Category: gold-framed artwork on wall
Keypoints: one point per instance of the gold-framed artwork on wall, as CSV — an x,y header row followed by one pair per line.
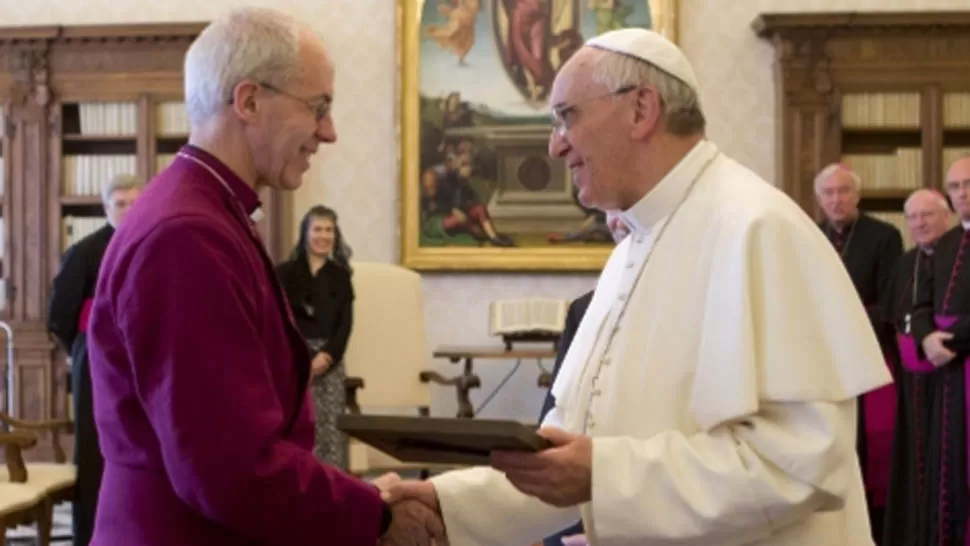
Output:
x,y
478,189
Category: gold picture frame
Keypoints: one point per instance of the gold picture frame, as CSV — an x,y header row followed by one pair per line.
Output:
x,y
478,192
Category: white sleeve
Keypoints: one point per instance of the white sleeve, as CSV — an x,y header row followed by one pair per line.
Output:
x,y
736,484
481,508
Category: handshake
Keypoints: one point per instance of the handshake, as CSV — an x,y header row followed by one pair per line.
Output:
x,y
416,514
560,476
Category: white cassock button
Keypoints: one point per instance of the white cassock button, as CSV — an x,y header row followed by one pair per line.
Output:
x,y
630,265
606,361
597,392
591,425
622,296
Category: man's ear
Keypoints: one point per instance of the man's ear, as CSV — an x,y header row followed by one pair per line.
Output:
x,y
244,99
647,113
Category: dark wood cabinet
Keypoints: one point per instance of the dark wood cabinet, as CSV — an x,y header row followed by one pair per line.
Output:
x,y
887,93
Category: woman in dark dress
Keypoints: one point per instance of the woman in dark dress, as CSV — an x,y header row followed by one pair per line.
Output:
x,y
316,279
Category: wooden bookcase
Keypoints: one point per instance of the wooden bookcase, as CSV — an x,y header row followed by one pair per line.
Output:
x,y
887,93
79,104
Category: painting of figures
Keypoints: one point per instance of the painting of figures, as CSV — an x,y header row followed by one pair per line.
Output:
x,y
479,191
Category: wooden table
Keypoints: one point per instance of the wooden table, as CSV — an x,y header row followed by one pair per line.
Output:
x,y
467,381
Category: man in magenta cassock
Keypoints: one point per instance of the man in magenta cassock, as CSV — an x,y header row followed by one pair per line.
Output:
x,y
199,374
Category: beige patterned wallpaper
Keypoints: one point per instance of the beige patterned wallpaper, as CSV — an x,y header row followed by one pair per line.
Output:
x,y
358,174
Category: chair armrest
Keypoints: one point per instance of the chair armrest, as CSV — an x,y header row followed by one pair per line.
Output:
x,y
14,443
463,385
351,385
54,426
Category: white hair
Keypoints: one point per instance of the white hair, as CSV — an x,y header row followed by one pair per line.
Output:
x,y
833,168
681,105
938,199
247,43
120,182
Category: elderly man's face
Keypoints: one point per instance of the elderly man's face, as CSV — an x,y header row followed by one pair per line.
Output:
x,y
119,201
838,197
592,133
958,186
290,123
927,217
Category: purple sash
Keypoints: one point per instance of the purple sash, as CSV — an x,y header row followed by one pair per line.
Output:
x,y
913,363
880,419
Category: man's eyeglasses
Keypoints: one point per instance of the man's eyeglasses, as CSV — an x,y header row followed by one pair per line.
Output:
x,y
319,106
562,116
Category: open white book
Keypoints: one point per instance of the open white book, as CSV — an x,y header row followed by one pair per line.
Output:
x,y
532,315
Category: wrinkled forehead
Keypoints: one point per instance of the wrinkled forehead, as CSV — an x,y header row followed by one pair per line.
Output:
x,y
959,171
920,205
838,179
575,79
316,65
127,193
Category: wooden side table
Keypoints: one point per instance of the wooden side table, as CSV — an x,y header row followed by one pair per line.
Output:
x,y
467,380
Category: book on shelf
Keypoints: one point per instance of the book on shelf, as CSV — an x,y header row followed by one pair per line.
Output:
x,y
171,119
75,228
108,118
902,170
530,316
951,155
956,110
85,175
880,110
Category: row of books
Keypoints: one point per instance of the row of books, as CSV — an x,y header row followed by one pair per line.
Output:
x,y
121,118
900,171
950,155
75,228
956,110
902,110
861,110
85,175
171,119
108,118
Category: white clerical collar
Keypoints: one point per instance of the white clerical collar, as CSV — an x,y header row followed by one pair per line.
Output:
x,y
664,197
966,225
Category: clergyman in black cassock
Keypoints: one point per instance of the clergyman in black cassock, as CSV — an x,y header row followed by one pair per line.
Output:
x,y
908,520
936,509
71,298
72,293
573,317
869,249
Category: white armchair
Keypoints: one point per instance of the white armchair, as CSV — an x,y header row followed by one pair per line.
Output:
x,y
386,355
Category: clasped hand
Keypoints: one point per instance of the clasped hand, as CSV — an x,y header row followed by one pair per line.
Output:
x,y
560,475
935,350
416,515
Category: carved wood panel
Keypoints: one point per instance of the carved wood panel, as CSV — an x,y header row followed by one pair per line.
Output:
x,y
819,57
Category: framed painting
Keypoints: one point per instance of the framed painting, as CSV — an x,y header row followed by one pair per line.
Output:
x,y
478,189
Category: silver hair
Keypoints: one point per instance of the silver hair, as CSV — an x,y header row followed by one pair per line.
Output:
x,y
681,105
247,43
833,168
120,182
938,199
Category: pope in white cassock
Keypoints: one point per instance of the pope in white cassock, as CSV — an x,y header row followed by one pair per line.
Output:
x,y
709,396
